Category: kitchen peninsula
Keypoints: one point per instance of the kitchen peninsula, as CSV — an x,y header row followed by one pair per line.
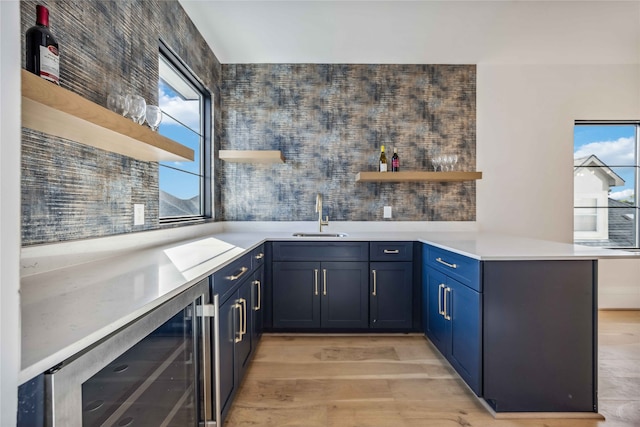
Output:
x,y
67,310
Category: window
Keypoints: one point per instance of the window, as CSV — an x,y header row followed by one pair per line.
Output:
x,y
185,187
606,174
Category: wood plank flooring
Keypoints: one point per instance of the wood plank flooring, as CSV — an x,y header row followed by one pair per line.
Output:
x,y
402,381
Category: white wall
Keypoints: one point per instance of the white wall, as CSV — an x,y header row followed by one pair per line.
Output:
x,y
525,150
9,210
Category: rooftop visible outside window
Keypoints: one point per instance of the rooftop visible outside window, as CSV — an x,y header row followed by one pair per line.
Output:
x,y
606,179
184,188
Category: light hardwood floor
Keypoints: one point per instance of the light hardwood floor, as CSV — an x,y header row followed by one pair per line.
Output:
x,y
402,381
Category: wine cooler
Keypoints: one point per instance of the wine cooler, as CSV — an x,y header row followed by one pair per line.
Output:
x,y
155,372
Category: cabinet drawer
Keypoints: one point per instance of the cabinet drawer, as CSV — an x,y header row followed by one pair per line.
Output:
x,y
464,269
257,257
231,275
320,251
391,251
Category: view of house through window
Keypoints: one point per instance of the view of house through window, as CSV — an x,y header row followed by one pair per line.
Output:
x,y
182,184
606,179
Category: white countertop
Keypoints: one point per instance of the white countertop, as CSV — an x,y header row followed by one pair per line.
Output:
x,y
65,310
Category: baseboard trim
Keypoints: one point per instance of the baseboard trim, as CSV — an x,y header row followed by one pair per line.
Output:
x,y
540,415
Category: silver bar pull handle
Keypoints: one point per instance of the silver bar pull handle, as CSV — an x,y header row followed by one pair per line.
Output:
x,y
259,256
324,282
238,337
375,283
207,312
239,275
440,288
391,251
446,314
315,271
258,306
446,263
244,317
206,359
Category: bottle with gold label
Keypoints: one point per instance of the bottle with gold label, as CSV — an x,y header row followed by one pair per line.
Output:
x,y
383,160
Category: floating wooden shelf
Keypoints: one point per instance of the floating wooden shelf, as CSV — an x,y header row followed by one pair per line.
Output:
x,y
412,176
51,109
252,156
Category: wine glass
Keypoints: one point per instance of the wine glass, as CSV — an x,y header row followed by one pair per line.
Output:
x,y
153,116
137,109
117,101
436,162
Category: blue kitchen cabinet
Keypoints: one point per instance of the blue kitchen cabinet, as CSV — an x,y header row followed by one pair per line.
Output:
x,y
320,285
296,295
453,312
344,299
237,285
328,295
391,295
391,285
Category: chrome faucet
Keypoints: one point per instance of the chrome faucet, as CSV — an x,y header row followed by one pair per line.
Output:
x,y
319,210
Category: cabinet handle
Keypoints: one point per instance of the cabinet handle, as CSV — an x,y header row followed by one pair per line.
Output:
x,y
375,283
237,276
315,271
238,337
259,305
440,288
391,251
446,263
259,256
324,282
446,315
244,316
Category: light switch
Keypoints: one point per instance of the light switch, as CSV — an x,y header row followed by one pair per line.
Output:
x,y
386,213
138,214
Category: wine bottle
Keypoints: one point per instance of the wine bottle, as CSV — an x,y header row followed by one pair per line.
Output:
x,y
42,48
395,161
383,160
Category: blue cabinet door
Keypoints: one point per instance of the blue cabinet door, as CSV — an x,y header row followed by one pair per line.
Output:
x,y
228,321
463,307
257,305
296,295
438,328
243,345
390,295
345,302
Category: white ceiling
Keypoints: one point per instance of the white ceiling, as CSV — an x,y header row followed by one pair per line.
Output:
x,y
428,32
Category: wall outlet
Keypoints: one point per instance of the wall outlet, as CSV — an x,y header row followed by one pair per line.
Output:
x,y
138,214
386,212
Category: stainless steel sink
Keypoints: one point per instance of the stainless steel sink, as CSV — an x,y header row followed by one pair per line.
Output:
x,y
320,235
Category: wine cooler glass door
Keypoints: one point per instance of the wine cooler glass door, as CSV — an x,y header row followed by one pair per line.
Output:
x,y
147,374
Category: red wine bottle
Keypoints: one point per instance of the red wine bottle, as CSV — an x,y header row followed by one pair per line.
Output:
x,y
395,161
42,48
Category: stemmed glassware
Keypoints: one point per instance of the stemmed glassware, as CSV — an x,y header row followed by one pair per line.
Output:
x,y
137,109
445,163
117,101
153,116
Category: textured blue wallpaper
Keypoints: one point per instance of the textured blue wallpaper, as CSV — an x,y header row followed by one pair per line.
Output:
x,y
330,120
73,191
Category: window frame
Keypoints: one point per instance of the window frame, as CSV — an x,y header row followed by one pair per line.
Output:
x,y
636,205
206,132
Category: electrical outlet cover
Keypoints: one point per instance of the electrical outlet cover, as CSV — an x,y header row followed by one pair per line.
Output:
x,y
138,214
387,212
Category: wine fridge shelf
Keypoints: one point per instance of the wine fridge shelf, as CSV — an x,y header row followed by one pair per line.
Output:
x,y
414,176
51,109
252,156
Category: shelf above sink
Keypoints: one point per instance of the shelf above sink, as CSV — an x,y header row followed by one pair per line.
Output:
x,y
415,176
252,156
